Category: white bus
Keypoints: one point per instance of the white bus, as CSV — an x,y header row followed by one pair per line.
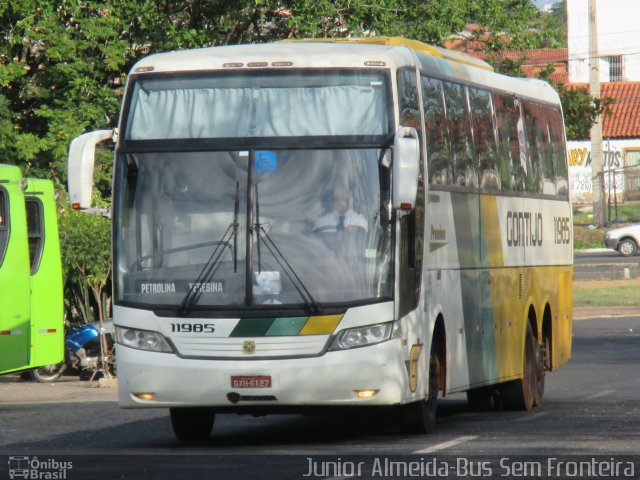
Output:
x,y
334,224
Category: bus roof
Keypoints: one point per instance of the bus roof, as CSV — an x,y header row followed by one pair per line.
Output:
x,y
416,45
281,54
374,52
10,173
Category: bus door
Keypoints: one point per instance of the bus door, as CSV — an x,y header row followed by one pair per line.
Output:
x,y
15,311
47,310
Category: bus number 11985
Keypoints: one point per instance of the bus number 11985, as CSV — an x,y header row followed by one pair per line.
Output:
x,y
193,328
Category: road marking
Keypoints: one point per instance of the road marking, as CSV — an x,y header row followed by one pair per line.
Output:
x,y
450,443
604,393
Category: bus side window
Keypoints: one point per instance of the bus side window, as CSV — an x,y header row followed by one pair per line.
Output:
x,y
412,225
35,229
484,139
556,129
533,123
508,149
465,169
440,161
4,224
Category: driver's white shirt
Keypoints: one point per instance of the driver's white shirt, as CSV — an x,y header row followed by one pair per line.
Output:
x,y
329,222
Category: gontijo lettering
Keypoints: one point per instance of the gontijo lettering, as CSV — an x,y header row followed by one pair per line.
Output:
x,y
524,229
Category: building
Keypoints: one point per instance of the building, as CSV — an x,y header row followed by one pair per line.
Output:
x,y
618,46
618,42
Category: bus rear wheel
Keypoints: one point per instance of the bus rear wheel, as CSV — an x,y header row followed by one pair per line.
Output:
x,y
420,417
540,372
521,394
193,424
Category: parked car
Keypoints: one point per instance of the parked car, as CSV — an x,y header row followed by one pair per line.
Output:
x,y
624,239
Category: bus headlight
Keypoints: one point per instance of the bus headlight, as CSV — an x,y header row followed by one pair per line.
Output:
x,y
363,336
142,340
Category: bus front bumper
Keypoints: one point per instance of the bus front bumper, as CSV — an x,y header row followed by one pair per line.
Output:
x,y
149,379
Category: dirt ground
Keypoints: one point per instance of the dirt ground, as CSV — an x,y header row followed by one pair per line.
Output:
x,y
13,390
605,283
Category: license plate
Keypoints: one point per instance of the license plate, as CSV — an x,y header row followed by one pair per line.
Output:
x,y
251,381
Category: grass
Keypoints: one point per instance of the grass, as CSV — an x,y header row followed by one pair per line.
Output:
x,y
585,235
606,293
627,213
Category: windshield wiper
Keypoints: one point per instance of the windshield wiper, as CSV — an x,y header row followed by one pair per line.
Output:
x,y
213,263
299,285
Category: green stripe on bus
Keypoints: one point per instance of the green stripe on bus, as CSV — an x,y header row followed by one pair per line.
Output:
x,y
252,327
288,326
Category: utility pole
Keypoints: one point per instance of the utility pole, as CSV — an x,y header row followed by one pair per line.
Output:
x,y
597,170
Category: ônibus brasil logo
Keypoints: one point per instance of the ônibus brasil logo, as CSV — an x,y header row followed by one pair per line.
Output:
x,y
40,469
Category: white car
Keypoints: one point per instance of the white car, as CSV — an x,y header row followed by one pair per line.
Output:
x,y
624,239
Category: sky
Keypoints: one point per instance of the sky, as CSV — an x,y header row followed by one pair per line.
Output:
x,y
544,4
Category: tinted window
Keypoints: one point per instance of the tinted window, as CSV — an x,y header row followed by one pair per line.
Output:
x,y
412,225
35,229
440,161
535,120
4,223
556,134
465,168
484,138
507,118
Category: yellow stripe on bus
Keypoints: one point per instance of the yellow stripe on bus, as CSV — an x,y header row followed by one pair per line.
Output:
x,y
321,325
491,231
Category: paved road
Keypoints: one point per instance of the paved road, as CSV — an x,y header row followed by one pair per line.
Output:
x,y
603,263
591,407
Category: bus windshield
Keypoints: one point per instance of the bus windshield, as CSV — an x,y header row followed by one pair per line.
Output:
x,y
257,227
268,104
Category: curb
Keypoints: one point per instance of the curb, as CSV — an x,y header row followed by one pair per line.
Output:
x,y
587,313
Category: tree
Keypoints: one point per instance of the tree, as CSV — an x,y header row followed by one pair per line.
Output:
x,y
86,244
85,241
581,110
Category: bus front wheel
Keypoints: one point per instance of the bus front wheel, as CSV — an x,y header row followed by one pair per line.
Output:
x,y
420,417
192,424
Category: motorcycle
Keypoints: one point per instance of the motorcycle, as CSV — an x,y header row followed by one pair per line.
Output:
x,y
82,353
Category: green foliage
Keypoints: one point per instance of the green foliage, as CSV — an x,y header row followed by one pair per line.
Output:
x,y
55,63
581,110
85,241
552,27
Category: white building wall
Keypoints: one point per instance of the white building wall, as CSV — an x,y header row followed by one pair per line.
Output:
x,y
618,28
581,173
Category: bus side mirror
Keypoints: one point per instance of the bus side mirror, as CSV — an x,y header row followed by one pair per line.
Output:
x,y
406,168
82,154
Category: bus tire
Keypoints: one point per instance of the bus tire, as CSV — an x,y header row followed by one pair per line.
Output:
x,y
192,424
520,394
538,391
420,417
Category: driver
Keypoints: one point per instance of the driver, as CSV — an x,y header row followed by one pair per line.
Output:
x,y
342,218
